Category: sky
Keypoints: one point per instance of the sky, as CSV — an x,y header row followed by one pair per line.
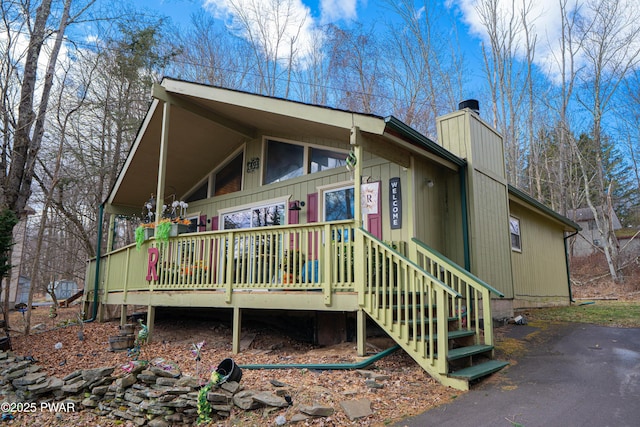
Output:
x,y
544,15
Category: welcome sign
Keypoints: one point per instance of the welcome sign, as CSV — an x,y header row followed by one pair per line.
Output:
x,y
395,203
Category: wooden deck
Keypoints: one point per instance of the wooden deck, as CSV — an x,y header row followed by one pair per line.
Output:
x,y
425,302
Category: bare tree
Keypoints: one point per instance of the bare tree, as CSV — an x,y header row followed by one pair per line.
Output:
x,y
610,30
509,32
426,72
276,32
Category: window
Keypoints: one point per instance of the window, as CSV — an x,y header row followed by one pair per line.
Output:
x,y
285,161
338,203
514,229
229,178
254,216
225,180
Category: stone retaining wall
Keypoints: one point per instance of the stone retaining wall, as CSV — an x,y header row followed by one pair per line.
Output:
x,y
154,393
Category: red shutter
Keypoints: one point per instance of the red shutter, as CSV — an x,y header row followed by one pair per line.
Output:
x,y
312,207
374,221
312,216
203,222
214,223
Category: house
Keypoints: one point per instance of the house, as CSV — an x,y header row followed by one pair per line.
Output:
x,y
430,245
589,239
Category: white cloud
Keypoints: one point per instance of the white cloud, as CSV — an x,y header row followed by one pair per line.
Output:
x,y
336,10
272,23
545,20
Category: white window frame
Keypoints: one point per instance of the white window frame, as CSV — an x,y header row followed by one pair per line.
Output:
x,y
515,232
306,158
210,178
331,188
250,206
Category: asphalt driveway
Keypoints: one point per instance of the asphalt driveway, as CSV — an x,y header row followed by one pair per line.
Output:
x,y
570,375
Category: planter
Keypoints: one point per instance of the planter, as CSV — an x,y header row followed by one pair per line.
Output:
x,y
127,329
121,342
148,233
177,229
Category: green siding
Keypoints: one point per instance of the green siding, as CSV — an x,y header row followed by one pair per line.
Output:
x,y
467,136
539,271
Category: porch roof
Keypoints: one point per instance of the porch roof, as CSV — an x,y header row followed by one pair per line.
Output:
x,y
210,123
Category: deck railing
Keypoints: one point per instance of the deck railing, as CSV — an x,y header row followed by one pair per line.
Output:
x,y
475,300
406,301
301,257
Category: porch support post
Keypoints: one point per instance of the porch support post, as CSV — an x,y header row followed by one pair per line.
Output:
x,y
359,274
162,162
123,314
112,223
237,327
356,144
361,333
151,318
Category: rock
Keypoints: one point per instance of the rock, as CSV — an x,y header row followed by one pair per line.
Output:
x,y
230,386
178,390
296,418
121,414
244,400
51,384
175,418
166,381
223,408
100,390
130,397
373,375
277,383
126,381
91,375
72,375
75,387
15,374
316,410
187,381
89,403
147,376
167,373
219,397
373,384
158,422
29,379
355,409
19,366
270,399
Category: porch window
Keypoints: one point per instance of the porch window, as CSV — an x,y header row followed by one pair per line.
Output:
x,y
338,203
285,160
514,229
229,178
254,216
225,180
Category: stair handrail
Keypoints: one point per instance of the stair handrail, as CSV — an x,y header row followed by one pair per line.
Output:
x,y
470,277
439,282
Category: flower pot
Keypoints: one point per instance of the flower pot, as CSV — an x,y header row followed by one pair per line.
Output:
x,y
148,233
177,229
121,342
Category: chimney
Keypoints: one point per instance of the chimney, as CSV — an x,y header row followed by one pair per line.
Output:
x,y
471,104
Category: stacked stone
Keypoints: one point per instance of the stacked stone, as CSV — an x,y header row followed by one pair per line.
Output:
x,y
154,394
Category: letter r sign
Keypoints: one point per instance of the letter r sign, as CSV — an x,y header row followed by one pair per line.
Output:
x,y
152,264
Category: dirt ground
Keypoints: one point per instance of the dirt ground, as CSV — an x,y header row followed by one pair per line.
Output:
x,y
409,390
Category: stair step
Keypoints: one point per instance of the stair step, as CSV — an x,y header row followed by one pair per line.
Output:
x,y
459,353
426,320
478,371
452,335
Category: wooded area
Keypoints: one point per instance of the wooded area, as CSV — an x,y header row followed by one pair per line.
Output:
x,y
75,81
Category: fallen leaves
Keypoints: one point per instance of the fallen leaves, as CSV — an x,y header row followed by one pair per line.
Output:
x,y
407,392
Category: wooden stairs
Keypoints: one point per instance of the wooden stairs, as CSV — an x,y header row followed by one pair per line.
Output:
x,y
433,309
